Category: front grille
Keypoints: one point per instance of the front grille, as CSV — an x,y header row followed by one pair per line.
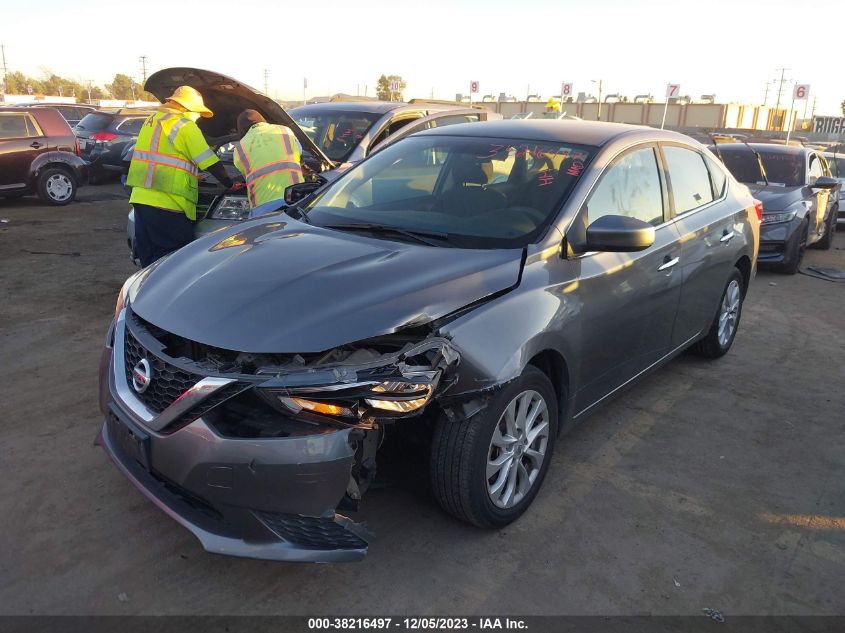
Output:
x,y
167,383
314,532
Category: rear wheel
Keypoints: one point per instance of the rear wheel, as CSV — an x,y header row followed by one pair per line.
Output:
x,y
487,470
721,335
56,186
830,231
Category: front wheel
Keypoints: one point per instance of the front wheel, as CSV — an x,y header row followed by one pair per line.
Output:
x,y
56,186
794,252
486,470
721,335
830,231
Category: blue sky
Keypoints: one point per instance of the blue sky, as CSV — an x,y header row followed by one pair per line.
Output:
x,y
727,47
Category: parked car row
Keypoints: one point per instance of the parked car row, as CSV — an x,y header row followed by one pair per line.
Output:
x,y
482,286
801,198
103,138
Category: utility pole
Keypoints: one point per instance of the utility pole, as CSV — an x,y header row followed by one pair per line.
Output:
x,y
267,82
766,94
780,92
5,70
143,60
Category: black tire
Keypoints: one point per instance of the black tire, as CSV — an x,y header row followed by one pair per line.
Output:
x,y
711,346
461,448
794,252
56,186
830,231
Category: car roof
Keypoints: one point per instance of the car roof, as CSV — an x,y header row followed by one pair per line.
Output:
x,y
774,148
379,107
595,133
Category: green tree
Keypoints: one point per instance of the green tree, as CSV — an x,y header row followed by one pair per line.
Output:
x,y
383,90
842,105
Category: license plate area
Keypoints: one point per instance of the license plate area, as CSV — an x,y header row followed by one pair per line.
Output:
x,y
133,442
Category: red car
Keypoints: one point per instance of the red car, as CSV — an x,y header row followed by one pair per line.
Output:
x,y
39,154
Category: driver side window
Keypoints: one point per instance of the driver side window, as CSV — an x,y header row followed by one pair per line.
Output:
x,y
630,187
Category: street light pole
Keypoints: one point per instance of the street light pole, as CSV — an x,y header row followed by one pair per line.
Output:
x,y
598,81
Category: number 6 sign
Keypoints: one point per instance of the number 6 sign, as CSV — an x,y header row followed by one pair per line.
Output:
x,y
802,91
672,90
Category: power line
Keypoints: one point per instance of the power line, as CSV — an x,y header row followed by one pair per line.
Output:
x,y
267,82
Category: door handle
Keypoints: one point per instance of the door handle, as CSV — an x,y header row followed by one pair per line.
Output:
x,y
668,263
35,145
727,236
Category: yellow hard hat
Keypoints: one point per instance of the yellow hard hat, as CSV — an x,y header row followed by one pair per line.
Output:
x,y
190,99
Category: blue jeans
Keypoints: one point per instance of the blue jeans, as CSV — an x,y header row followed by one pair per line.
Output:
x,y
159,232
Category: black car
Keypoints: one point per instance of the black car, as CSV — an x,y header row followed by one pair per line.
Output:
x,y
800,198
103,137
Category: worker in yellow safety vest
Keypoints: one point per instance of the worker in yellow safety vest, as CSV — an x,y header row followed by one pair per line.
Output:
x,y
164,173
268,156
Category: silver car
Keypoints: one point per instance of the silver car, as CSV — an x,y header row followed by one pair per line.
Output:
x,y
480,287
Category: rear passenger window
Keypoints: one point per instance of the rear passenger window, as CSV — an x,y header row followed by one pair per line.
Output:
x,y
815,168
131,127
717,176
688,177
630,187
15,125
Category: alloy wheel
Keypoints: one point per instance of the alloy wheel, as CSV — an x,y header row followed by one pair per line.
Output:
x,y
517,449
729,313
59,187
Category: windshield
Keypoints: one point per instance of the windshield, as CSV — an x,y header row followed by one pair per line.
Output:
x,y
473,192
782,168
334,131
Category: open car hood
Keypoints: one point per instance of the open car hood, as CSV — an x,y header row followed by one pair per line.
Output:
x,y
227,98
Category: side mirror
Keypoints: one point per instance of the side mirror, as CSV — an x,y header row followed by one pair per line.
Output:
x,y
825,182
619,234
300,190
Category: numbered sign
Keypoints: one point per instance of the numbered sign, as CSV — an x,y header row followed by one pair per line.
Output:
x,y
673,91
565,90
802,91
394,86
473,86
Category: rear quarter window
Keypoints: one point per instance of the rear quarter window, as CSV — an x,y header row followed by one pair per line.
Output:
x,y
718,177
131,127
15,125
95,121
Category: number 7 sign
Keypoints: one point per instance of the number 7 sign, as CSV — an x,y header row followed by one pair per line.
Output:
x,y
673,90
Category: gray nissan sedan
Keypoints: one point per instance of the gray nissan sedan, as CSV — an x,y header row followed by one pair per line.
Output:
x,y
481,286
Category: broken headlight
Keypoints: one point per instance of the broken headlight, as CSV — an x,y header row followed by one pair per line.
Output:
x,y
399,397
376,399
231,208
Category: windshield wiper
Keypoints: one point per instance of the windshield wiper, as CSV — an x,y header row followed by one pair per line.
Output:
x,y
302,215
430,238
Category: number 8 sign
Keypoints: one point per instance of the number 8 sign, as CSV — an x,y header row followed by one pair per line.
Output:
x,y
802,91
565,90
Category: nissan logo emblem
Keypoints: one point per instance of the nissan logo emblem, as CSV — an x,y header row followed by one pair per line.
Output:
x,y
142,374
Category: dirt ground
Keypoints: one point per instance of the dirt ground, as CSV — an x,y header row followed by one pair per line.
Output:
x,y
709,484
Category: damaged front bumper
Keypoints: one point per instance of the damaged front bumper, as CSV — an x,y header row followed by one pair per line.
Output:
x,y
241,460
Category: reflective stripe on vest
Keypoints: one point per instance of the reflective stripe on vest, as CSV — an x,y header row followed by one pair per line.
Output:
x,y
248,167
156,162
